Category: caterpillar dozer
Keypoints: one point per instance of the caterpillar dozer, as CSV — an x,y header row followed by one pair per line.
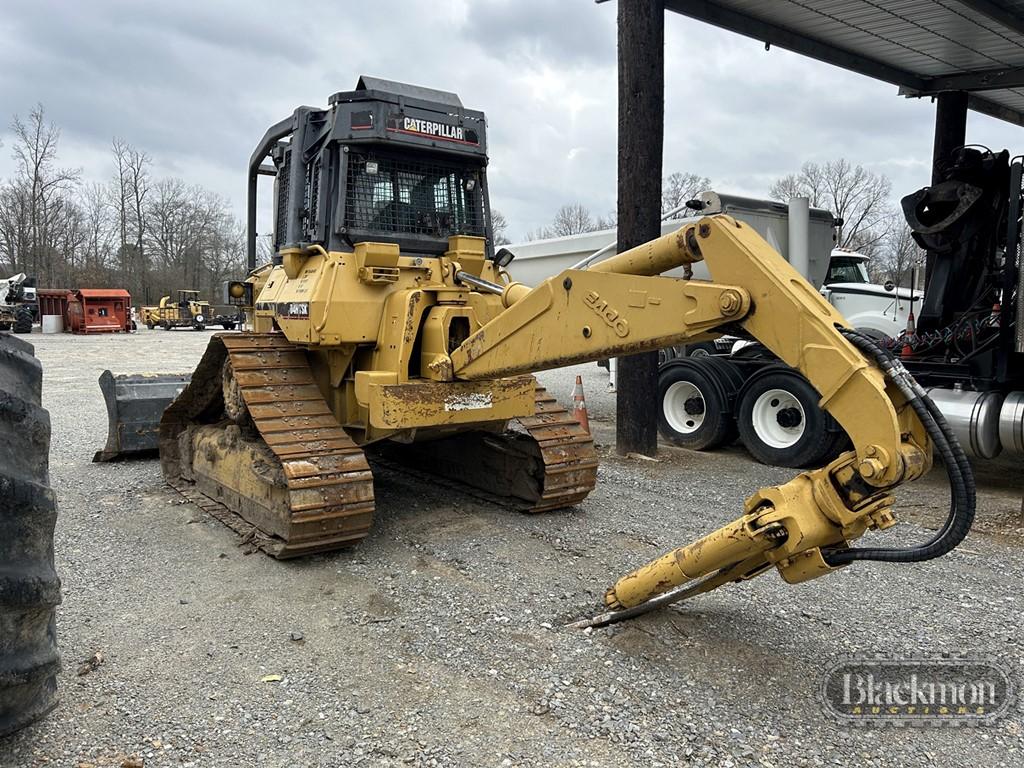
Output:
x,y
387,322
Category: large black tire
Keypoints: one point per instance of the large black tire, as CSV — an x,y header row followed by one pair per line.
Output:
x,y
701,349
665,354
23,320
780,422
696,399
29,587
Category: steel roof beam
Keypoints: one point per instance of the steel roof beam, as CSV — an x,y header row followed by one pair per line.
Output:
x,y
992,109
981,80
997,13
783,37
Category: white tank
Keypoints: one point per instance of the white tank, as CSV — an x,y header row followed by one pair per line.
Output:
x,y
51,323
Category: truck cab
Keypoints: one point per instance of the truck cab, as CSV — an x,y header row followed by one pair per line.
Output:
x,y
881,310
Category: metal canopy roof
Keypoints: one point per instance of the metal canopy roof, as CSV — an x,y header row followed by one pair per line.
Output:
x,y
923,46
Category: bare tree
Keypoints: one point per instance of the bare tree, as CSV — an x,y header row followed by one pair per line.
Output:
x,y
130,187
679,187
499,227
857,196
897,255
99,229
571,219
191,236
40,192
15,235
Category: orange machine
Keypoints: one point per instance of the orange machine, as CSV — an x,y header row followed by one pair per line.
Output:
x,y
99,310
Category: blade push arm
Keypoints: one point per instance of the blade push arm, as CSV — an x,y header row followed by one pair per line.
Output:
x,y
803,527
620,307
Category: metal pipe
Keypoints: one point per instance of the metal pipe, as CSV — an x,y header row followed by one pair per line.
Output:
x,y
799,221
479,283
274,134
653,258
586,262
510,293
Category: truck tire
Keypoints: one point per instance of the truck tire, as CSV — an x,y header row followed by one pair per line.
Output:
x,y
665,354
780,422
697,397
23,320
29,587
150,326
701,349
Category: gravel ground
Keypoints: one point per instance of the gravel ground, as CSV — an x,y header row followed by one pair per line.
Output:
x,y
439,639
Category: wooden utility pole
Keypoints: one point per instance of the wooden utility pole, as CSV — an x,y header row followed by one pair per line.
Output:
x,y
641,129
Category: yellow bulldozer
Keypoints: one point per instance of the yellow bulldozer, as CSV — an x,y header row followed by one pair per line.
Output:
x,y
387,323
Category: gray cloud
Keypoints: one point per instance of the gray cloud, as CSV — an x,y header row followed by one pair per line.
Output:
x,y
196,84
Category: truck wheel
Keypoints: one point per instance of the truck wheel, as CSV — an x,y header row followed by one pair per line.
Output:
x,y
701,349
29,586
166,325
780,422
697,398
23,320
669,353
229,326
150,326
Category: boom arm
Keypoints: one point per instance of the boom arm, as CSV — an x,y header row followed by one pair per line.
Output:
x,y
620,307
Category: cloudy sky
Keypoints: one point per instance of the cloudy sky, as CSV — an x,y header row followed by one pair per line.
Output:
x,y
196,83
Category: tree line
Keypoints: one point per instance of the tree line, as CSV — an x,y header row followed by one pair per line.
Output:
x,y
872,223
131,230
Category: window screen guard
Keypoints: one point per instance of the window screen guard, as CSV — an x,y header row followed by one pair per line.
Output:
x,y
390,193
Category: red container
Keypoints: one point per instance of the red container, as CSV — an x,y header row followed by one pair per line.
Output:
x,y
99,310
54,301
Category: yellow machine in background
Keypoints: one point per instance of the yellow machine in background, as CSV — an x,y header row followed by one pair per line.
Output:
x,y
387,322
188,311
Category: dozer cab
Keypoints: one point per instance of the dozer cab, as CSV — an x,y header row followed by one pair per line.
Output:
x,y
386,322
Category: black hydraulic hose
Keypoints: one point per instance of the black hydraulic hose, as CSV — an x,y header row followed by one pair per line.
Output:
x,y
954,459
960,473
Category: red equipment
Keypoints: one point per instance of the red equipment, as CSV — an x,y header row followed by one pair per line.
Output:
x,y
99,310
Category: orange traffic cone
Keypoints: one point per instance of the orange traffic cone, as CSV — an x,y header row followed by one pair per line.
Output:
x,y
908,337
579,404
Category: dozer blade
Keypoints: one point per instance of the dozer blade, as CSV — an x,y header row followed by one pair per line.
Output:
x,y
252,441
542,462
135,403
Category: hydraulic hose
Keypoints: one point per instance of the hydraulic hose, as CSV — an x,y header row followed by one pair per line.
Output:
x,y
958,469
